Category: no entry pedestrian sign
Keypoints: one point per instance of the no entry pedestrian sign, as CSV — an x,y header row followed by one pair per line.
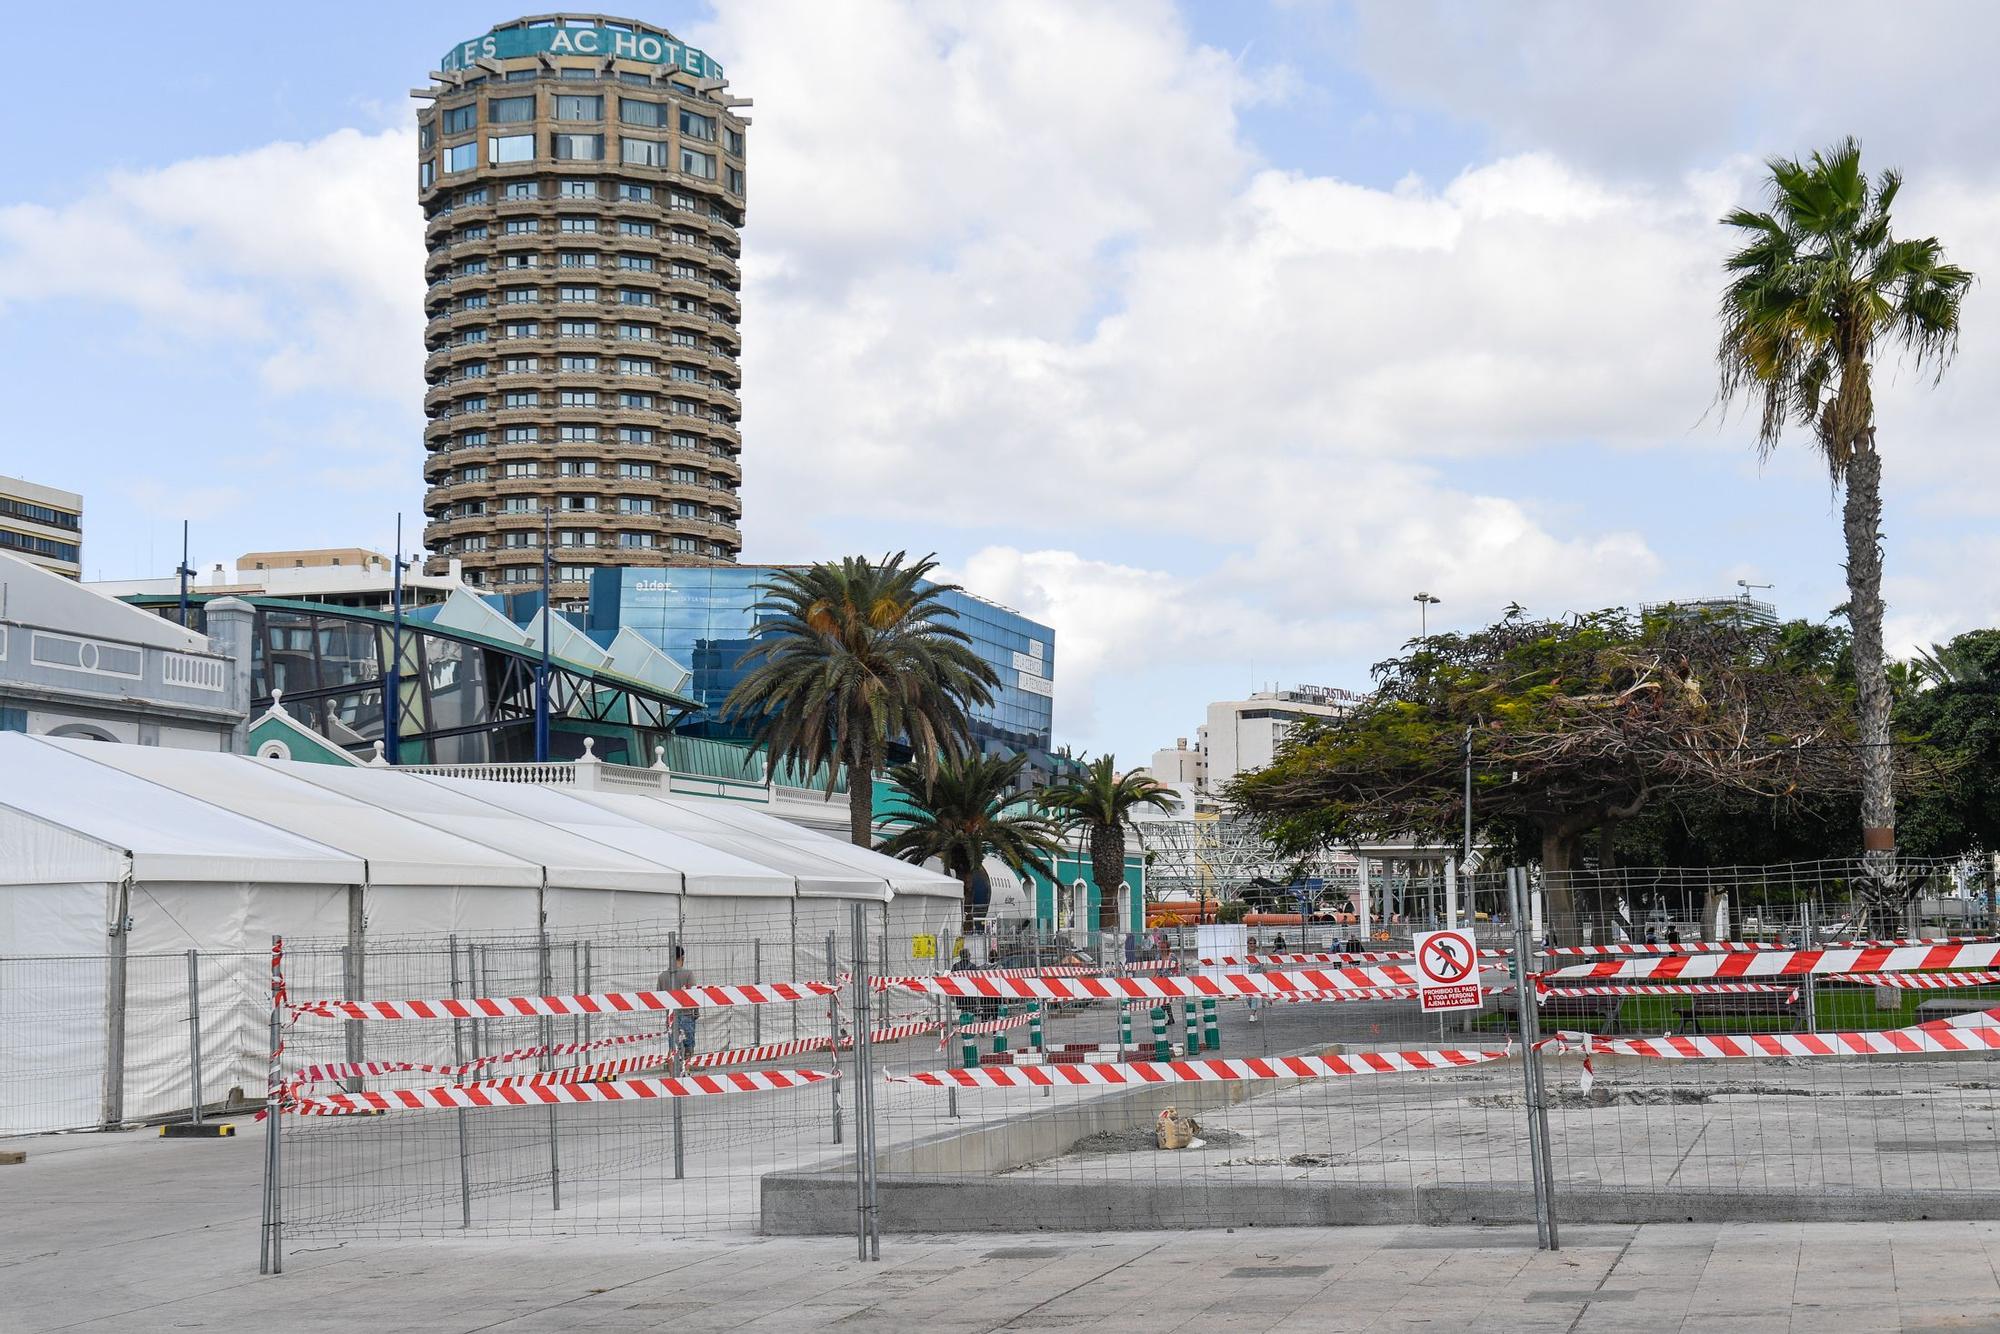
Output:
x,y
1447,970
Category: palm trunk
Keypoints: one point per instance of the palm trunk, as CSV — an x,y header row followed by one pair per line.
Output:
x,y
1861,525
1107,868
968,914
861,796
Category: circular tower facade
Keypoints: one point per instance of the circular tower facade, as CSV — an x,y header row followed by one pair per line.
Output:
x,y
582,181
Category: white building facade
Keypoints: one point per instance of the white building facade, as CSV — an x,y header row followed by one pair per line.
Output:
x,y
1242,735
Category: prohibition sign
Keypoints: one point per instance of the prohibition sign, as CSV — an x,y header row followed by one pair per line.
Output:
x,y
1447,970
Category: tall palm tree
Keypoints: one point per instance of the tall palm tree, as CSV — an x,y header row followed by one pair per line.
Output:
x,y
1101,800
852,655
965,810
1820,287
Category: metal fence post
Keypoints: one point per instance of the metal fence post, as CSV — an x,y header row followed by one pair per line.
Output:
x,y
757,975
116,984
458,1058
833,1028
1524,992
679,1065
1811,941
194,1036
270,1251
868,1243
548,1031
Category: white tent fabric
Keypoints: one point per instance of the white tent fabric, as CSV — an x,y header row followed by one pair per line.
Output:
x,y
633,655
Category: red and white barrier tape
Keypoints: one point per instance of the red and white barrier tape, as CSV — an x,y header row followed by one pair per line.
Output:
x,y
1919,981
471,1096
613,1002
1159,988
1545,990
1200,1072
1790,963
1724,1046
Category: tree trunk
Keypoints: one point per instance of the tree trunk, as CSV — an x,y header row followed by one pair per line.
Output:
x,y
1107,868
1558,892
967,913
861,796
1861,525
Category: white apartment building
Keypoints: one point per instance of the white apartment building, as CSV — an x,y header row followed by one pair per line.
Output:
x,y
1241,735
42,525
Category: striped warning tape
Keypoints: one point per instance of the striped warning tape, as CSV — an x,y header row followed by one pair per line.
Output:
x,y
622,1090
1920,981
1546,989
1200,1072
1159,988
1886,1042
1622,949
1789,963
613,1002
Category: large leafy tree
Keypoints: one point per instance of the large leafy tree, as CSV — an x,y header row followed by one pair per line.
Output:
x,y
851,657
1821,287
1575,728
963,811
1100,800
1956,718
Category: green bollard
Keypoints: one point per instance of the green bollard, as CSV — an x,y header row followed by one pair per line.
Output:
x,y
968,1040
1000,1035
1035,1042
1124,1026
1211,1026
1192,1026
1161,1052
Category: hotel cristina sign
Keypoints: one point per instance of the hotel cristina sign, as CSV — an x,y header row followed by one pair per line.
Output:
x,y
508,43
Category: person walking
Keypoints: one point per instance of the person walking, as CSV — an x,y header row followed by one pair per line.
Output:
x,y
680,978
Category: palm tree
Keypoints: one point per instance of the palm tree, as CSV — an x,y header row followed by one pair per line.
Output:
x,y
1101,800
851,656
1819,288
964,810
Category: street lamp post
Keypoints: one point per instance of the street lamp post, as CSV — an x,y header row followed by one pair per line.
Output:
x,y
1425,602
542,668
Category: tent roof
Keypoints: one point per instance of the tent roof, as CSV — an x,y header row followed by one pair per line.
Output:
x,y
703,869
168,834
41,597
571,861
817,877
399,851
903,877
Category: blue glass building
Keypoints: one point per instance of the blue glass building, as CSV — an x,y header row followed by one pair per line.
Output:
x,y
704,618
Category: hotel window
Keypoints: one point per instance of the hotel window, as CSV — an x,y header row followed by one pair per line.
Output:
x,y
521,296
518,226
576,434
682,338
569,537
628,296
510,110
631,228
636,540
519,190
576,363
579,467
635,112
638,470
682,440
576,328
426,174
685,544
572,293
572,74
472,440
643,152
520,365
576,224
504,148
475,301
686,272
644,263
476,473
518,261
697,127
472,266
577,398
426,137
517,470
685,407
471,544
578,504
685,476
576,189
635,194
572,574
635,435
522,329
686,509
472,370
576,259
457,120
732,180
579,106
635,505
521,435
637,366
577,147
517,505
521,398
698,164
635,401
689,373
639,333
518,538
680,202
471,336
476,403
521,76
733,140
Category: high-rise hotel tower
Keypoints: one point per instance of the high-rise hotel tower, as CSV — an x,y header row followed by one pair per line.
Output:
x,y
582,180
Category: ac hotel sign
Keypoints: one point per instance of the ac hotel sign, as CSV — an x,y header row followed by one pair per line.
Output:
x,y
507,43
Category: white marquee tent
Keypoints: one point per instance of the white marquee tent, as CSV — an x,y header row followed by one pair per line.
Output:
x,y
216,853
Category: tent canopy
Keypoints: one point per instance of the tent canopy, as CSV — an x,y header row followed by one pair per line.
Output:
x,y
903,877
168,835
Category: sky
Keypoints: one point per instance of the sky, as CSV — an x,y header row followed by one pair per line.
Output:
x,y
1209,334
